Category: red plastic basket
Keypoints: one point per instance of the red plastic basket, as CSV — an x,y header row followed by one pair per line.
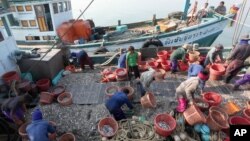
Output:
x,y
110,122
168,120
246,114
166,65
153,64
109,91
67,137
43,84
237,120
212,98
217,69
46,98
10,76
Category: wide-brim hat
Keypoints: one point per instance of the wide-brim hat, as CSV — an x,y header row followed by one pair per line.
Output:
x,y
245,37
186,46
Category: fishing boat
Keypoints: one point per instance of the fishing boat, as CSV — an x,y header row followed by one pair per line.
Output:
x,y
169,32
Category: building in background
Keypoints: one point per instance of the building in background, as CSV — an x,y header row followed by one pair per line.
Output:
x,y
36,21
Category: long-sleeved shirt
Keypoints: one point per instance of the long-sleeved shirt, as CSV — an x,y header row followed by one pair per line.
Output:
x,y
38,130
117,100
146,78
190,86
240,52
178,54
122,61
194,69
221,10
211,55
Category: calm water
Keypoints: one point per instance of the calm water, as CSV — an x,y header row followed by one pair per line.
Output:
x,y
108,12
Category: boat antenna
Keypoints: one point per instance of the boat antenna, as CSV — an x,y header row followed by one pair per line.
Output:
x,y
187,5
236,34
243,23
58,41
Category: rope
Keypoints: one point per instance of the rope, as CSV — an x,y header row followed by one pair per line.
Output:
x,y
141,131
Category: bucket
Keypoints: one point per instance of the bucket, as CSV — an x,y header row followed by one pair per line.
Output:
x,y
231,108
216,71
212,98
193,115
46,98
163,55
43,84
109,91
143,66
22,131
110,122
166,65
10,76
182,66
153,64
148,101
65,99
166,119
237,120
246,114
131,91
217,120
57,90
67,137
193,56
121,73
222,111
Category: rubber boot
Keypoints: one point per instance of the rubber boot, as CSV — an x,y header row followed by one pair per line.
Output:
x,y
182,105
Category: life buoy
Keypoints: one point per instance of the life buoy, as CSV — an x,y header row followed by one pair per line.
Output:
x,y
154,42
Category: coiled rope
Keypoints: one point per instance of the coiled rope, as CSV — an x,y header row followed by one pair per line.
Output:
x,y
141,131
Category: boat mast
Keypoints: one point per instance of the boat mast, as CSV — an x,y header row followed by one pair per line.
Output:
x,y
187,5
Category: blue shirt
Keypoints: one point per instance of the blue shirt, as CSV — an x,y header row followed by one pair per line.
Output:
x,y
117,100
38,130
194,69
81,54
122,61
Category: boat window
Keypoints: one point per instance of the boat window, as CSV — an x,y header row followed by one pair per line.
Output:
x,y
69,5
28,8
64,6
24,23
1,37
44,17
36,38
20,8
32,37
32,23
60,5
55,8
45,37
12,8
12,20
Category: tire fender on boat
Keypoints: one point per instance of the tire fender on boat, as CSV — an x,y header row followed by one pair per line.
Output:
x,y
154,42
